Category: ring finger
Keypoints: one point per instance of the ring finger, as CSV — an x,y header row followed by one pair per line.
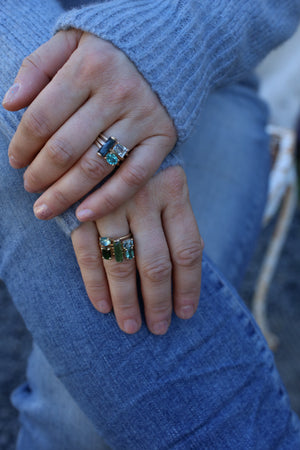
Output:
x,y
143,161
120,271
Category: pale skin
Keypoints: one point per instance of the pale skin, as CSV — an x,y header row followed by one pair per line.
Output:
x,y
76,86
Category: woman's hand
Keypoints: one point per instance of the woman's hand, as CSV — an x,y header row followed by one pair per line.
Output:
x,y
168,254
78,86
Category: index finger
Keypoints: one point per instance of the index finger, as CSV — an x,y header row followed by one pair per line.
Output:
x,y
39,68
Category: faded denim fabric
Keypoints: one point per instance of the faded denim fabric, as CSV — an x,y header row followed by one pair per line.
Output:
x,y
210,382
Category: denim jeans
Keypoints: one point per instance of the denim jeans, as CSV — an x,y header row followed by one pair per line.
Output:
x,y
210,382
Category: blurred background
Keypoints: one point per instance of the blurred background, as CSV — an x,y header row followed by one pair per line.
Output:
x,y
280,75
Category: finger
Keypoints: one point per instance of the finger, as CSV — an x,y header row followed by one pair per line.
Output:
x,y
121,276
154,266
186,248
51,108
134,172
86,246
88,172
39,68
67,146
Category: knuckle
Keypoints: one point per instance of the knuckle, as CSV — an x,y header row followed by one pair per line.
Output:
x,y
160,309
175,181
110,204
60,199
134,175
89,261
35,124
59,151
32,60
92,168
121,272
157,271
169,130
93,64
125,309
189,256
32,179
124,89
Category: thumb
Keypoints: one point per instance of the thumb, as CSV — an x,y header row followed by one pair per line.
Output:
x,y
39,68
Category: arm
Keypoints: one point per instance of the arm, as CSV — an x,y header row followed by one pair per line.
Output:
x,y
220,51
186,49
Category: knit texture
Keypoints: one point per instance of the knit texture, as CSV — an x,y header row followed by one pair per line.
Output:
x,y
187,48
184,49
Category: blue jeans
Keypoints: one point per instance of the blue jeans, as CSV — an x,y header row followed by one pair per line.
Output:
x,y
210,382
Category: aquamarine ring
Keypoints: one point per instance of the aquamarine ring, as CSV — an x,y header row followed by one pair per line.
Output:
x,y
110,149
121,249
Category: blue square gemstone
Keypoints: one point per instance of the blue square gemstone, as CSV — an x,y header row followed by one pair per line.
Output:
x,y
107,147
128,247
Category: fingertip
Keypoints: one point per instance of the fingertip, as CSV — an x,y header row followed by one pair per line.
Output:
x,y
160,328
186,312
85,215
102,306
14,163
131,326
11,96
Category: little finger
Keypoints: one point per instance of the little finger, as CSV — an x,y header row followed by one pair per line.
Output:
x,y
155,270
186,248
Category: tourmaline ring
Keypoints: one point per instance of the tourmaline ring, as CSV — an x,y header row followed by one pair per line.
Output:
x,y
121,248
110,149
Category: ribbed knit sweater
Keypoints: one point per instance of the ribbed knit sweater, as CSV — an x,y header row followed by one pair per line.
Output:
x,y
185,49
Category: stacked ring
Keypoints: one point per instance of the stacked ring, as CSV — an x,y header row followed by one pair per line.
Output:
x,y
110,149
120,248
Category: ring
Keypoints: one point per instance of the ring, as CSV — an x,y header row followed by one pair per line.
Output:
x,y
120,248
110,149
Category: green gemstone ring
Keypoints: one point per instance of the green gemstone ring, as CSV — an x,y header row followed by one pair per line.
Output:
x,y
121,249
110,149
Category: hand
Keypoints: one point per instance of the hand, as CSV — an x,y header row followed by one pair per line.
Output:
x,y
168,251
78,86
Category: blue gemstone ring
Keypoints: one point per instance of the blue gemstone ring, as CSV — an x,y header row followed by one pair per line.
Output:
x,y
121,249
111,150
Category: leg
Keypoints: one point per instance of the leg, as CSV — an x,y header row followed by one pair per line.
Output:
x,y
210,380
227,165
118,379
25,398
49,416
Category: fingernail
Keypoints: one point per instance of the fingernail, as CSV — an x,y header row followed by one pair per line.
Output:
x,y
13,162
130,326
11,93
186,312
85,214
160,327
103,307
42,212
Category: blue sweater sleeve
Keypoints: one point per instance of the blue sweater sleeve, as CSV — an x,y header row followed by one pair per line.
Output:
x,y
187,48
184,48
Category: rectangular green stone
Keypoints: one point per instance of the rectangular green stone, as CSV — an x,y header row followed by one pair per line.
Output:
x,y
118,249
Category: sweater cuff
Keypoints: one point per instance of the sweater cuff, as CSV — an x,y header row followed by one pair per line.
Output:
x,y
185,49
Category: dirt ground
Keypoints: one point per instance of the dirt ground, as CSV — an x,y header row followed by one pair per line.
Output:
x,y
283,310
